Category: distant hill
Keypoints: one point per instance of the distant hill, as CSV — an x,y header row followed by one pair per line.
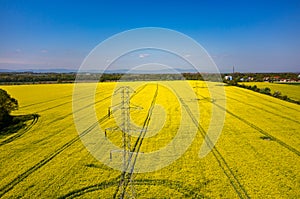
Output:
x,y
64,70
49,70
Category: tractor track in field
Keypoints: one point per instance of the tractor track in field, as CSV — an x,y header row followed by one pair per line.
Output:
x,y
91,104
24,175
260,108
51,100
175,185
285,145
21,177
58,105
16,136
125,176
235,183
253,93
22,132
46,101
70,114
91,188
187,191
78,110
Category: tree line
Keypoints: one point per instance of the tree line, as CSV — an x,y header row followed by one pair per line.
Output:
x,y
266,91
7,105
31,78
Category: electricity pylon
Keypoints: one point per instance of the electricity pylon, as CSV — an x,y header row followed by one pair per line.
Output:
x,y
126,129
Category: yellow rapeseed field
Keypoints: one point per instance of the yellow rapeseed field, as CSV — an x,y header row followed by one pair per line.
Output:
x,y
256,155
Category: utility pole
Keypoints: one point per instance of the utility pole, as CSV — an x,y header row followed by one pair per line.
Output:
x,y
197,91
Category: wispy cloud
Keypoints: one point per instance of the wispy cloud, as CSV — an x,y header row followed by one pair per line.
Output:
x,y
4,60
44,51
144,55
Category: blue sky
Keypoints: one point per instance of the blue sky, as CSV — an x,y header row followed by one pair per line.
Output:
x,y
253,36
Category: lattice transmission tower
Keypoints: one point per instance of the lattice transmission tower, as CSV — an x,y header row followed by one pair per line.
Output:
x,y
126,130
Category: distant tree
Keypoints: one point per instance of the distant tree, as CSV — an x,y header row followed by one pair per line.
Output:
x,y
284,97
7,104
254,88
266,91
277,94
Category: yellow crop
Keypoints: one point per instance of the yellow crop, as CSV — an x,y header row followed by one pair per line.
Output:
x,y
256,155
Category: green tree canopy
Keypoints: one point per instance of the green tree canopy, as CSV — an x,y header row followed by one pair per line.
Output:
x,y
7,104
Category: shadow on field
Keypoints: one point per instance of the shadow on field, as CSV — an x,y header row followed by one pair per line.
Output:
x,y
17,123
